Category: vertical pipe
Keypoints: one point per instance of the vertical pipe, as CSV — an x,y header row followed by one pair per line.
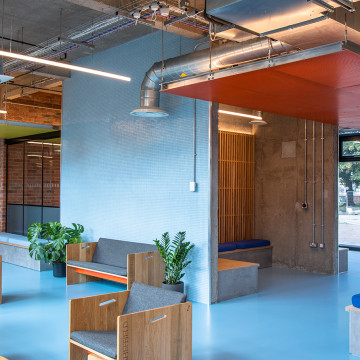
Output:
x,y
305,204
313,244
322,245
194,144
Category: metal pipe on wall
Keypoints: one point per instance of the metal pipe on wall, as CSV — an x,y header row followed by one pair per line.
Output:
x,y
305,203
313,244
322,244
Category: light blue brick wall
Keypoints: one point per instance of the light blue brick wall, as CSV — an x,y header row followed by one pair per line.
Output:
x,y
128,178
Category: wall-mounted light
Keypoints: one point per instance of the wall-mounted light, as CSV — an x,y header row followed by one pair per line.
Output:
x,y
3,112
258,121
63,65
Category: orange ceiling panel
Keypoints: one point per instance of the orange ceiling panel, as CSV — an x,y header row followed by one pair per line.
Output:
x,y
323,88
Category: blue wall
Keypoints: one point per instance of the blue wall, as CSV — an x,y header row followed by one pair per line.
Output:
x,y
128,178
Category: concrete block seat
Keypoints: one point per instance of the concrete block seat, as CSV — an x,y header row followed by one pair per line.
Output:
x,y
253,250
145,322
236,278
15,250
114,260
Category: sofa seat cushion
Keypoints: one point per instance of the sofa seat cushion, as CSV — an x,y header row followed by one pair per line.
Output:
x,y
252,243
114,252
116,270
145,297
229,246
105,342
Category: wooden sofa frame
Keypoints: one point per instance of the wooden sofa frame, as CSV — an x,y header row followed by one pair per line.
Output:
x,y
162,334
146,267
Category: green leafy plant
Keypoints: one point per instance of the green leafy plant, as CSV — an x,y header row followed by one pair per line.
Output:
x,y
57,236
174,254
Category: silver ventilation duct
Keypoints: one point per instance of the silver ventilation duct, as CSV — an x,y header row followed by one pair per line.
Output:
x,y
198,62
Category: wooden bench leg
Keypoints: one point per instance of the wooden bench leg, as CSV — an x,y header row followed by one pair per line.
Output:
x,y
72,277
77,353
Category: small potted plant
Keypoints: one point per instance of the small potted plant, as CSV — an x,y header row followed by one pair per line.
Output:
x,y
174,254
53,249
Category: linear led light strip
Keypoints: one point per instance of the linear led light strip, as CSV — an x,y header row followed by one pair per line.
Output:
x,y
240,114
3,112
63,65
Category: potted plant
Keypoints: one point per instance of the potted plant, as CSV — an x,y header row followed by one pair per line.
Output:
x,y
53,249
174,254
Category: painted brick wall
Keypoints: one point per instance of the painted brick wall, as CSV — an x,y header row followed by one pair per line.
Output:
x,y
2,185
128,178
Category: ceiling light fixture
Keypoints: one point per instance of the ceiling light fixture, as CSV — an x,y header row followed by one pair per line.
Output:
x,y
323,4
346,4
63,65
164,11
240,114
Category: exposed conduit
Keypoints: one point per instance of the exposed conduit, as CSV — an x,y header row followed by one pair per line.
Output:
x,y
195,63
322,244
314,244
305,203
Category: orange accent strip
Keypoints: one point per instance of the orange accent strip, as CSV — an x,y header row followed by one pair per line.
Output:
x,y
102,276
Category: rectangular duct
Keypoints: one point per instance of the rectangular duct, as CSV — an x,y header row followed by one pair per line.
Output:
x,y
265,15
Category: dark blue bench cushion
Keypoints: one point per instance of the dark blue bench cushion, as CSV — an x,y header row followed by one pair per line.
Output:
x,y
252,243
114,252
356,300
229,246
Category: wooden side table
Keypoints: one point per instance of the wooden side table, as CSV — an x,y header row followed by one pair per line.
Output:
x,y
354,330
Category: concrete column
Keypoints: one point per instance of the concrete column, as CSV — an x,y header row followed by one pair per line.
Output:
x,y
279,193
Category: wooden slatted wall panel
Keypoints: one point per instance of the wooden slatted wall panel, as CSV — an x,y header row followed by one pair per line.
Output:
x,y
236,186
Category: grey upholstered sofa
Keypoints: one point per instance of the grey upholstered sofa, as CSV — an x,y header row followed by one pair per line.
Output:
x,y
143,323
115,260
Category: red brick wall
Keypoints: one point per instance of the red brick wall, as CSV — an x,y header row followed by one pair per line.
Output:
x,y
2,185
41,175
27,112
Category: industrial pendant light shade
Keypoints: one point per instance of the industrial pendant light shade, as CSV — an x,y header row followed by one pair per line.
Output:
x,y
4,78
149,111
259,118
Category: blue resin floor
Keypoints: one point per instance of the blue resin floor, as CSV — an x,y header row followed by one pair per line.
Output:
x,y
295,316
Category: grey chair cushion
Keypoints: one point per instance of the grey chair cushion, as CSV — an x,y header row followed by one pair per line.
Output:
x,y
105,342
116,270
114,252
145,297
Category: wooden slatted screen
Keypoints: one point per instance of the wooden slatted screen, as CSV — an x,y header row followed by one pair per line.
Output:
x,y
236,186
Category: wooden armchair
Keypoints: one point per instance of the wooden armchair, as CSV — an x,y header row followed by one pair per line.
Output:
x,y
143,323
114,260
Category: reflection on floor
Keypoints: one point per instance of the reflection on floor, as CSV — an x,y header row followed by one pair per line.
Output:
x,y
296,315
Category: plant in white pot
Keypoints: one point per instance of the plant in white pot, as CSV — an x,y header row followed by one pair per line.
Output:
x,y
174,254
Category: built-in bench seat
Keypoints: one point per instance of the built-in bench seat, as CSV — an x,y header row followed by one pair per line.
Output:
x,y
115,260
252,250
236,278
15,250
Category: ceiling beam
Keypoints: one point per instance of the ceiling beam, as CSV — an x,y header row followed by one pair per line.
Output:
x,y
104,7
49,71
18,90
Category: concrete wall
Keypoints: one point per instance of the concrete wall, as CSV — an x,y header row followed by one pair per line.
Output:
x,y
279,193
127,178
